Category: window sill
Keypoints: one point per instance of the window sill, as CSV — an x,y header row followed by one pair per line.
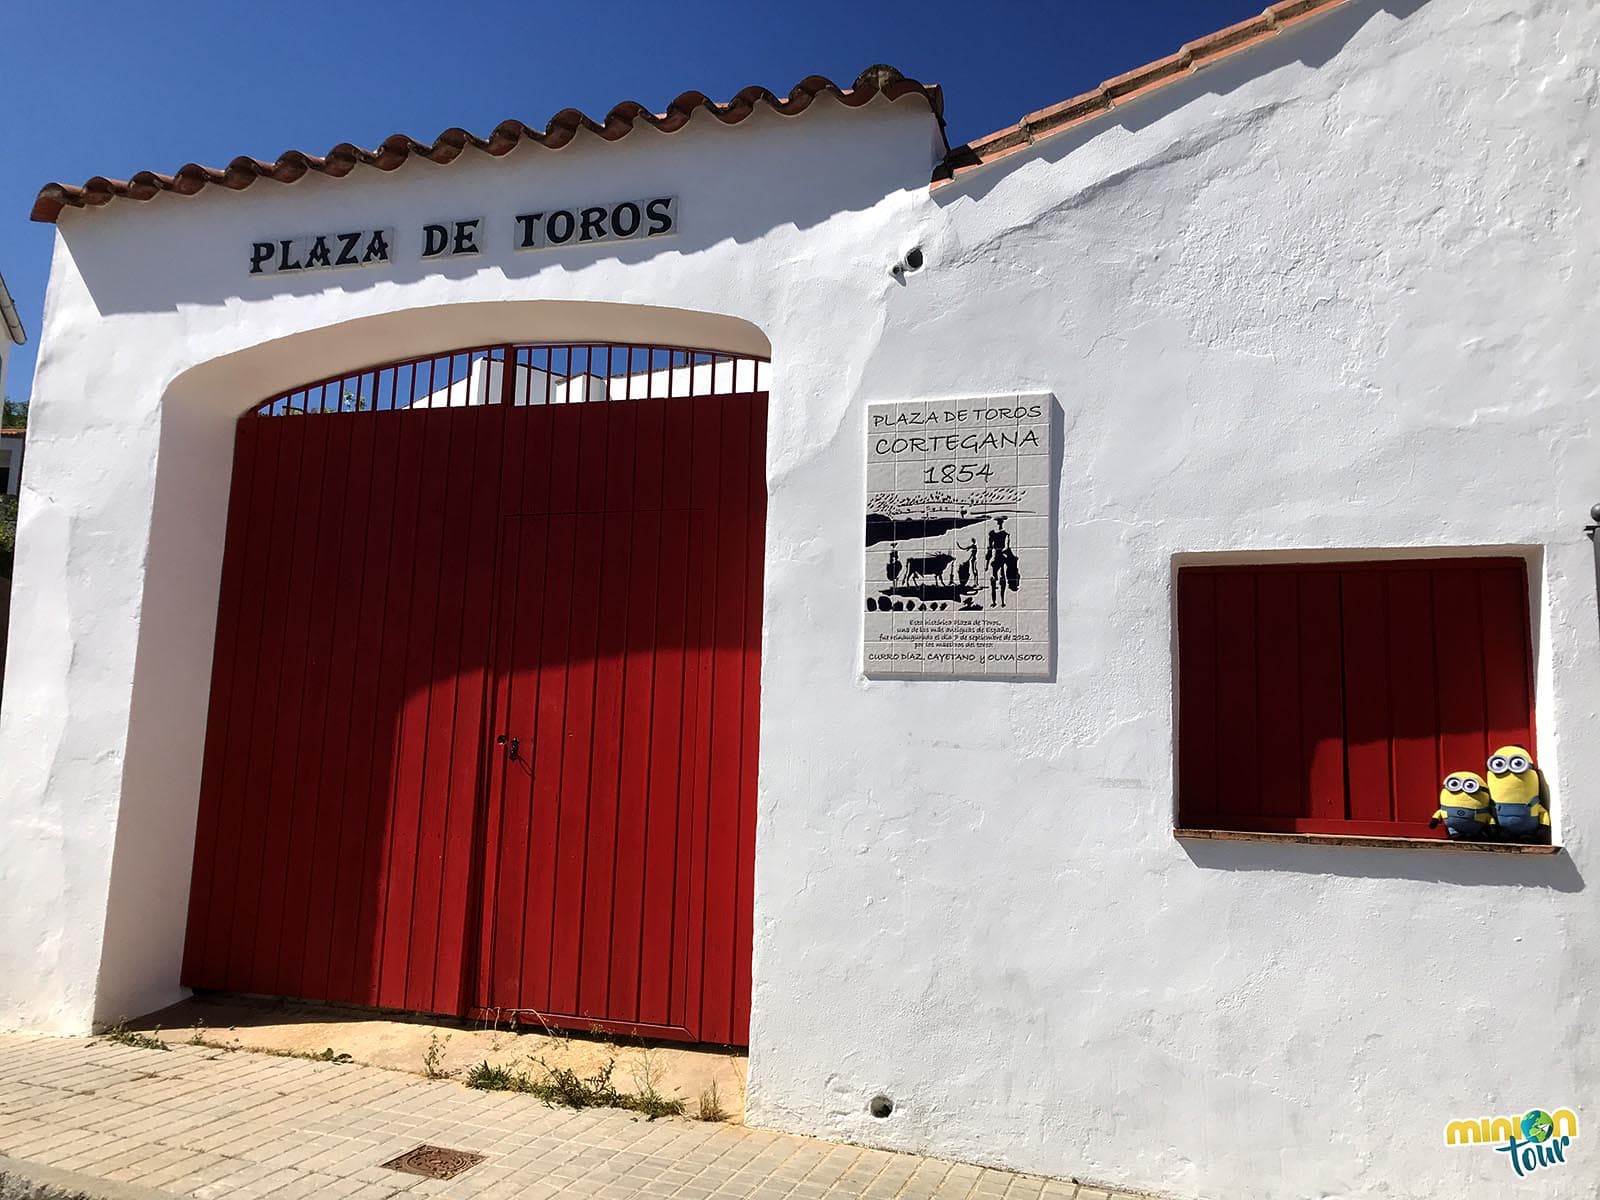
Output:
x,y
1385,843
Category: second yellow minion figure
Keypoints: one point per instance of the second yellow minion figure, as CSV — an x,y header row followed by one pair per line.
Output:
x,y
1521,808
1464,806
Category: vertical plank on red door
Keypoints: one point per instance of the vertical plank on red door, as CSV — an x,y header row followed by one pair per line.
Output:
x,y
1197,699
642,642
445,683
1413,691
1507,660
727,719
1322,699
755,552
337,853
383,597
462,822
593,455
534,979
1279,696
1369,720
1238,774
245,788
705,502
525,467
311,866
615,569
264,878
530,984
541,474
236,837
599,793
1459,669
514,669
425,535
414,548
291,806
504,688
572,832
226,670
633,777
671,761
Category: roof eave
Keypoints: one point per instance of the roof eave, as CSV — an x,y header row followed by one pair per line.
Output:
x,y
397,149
8,311
1058,118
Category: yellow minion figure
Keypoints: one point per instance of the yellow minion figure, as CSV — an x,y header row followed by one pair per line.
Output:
x,y
1517,789
1464,806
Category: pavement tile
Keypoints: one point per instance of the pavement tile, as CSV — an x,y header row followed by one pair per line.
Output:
x,y
59,1144
206,1124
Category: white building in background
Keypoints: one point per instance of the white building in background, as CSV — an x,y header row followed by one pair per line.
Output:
x,y
1246,401
11,442
11,326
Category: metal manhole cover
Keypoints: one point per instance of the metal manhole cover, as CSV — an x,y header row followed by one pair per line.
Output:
x,y
434,1162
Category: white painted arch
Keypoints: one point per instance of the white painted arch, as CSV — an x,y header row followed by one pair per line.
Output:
x,y
347,347
148,898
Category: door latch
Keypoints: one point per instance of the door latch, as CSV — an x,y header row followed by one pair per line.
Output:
x,y
510,743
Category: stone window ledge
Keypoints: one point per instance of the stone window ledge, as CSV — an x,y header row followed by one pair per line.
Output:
x,y
1384,843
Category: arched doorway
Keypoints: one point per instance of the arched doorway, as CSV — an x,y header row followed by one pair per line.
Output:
x,y
483,718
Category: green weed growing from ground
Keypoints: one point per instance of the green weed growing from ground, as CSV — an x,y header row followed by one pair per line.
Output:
x,y
123,1036
328,1054
433,1056
710,1106
564,1086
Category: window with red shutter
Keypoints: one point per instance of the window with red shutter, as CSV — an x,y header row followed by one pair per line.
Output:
x,y
1334,697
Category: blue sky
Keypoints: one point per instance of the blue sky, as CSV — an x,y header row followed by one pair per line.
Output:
x,y
109,87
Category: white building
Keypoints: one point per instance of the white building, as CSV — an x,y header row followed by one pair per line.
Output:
x,y
1275,355
15,336
11,444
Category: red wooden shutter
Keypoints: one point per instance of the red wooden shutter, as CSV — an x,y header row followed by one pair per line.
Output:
x,y
1333,698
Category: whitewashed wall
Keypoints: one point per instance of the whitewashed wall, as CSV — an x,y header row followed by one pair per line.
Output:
x,y
1337,293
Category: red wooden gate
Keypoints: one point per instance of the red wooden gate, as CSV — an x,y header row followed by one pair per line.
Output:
x,y
436,564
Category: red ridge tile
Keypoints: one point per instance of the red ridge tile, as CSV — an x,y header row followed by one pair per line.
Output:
x,y
397,149
1192,57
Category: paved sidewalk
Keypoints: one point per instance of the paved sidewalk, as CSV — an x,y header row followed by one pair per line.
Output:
x,y
211,1124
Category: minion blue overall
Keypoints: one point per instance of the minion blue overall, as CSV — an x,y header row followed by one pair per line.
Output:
x,y
1464,806
1517,790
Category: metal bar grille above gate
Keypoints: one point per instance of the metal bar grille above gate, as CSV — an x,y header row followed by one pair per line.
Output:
x,y
540,374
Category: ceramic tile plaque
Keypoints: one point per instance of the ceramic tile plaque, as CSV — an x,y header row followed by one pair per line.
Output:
x,y
959,539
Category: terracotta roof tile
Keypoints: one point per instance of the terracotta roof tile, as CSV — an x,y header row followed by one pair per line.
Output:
x,y
1059,117
449,145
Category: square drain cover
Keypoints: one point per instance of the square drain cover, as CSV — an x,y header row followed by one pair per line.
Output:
x,y
434,1162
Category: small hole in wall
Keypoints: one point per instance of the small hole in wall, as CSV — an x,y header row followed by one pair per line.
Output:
x,y
880,1106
